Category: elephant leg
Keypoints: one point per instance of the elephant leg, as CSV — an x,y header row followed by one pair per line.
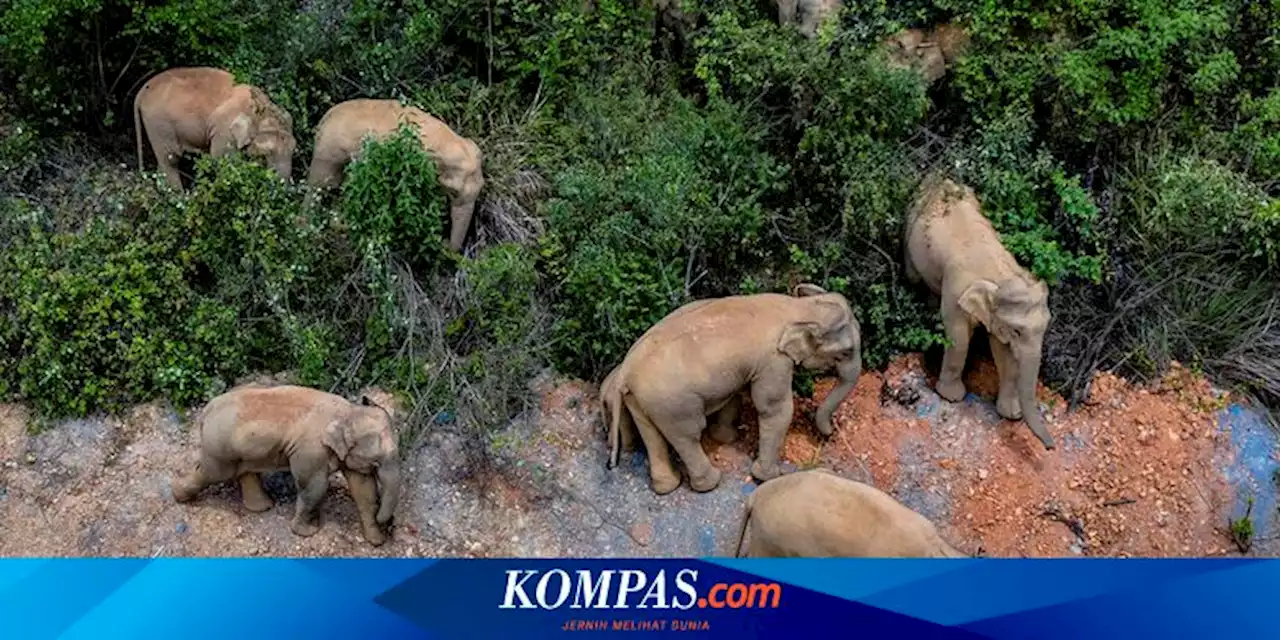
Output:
x,y
168,152
662,473
208,471
364,490
324,172
1007,404
168,160
787,11
725,430
703,476
460,220
313,483
950,382
774,403
251,493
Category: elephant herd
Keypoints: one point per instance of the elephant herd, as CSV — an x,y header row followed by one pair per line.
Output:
x,y
204,110
686,373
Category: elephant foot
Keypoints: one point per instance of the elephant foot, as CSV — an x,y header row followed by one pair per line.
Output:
x,y
374,536
258,503
707,481
952,391
724,434
303,528
759,472
1009,407
665,483
183,491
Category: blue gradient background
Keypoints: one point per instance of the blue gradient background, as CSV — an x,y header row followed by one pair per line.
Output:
x,y
979,598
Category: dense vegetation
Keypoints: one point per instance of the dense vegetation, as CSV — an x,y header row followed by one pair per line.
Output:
x,y
1127,150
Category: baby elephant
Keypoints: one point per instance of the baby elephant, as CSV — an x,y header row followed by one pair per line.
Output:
x,y
251,430
817,514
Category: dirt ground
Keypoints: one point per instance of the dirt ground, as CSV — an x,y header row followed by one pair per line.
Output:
x,y
1138,472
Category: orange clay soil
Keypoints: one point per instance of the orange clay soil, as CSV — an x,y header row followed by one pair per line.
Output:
x,y
1135,472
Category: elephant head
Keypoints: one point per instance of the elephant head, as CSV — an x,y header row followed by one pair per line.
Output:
x,y
913,49
363,442
265,131
1016,312
826,336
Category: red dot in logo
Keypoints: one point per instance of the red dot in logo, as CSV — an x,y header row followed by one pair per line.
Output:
x,y
702,603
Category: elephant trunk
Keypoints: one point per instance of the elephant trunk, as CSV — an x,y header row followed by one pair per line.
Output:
x,y
284,167
849,371
388,488
1029,372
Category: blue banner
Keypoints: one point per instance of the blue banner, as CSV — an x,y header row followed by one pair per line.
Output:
x,y
721,598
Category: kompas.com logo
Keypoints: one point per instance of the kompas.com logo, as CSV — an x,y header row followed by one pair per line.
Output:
x,y
586,589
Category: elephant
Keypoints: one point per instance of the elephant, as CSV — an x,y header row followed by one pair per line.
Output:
x,y
204,110
911,49
929,52
811,13
341,133
694,363
254,429
953,41
953,248
818,514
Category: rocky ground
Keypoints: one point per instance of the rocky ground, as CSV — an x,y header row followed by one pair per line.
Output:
x,y
1139,471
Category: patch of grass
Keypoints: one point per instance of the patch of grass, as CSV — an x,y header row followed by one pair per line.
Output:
x,y
1241,529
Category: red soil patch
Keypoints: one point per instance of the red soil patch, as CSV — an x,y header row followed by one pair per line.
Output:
x,y
1135,472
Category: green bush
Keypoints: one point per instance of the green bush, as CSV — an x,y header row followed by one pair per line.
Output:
x,y
1117,147
391,199
664,203
107,316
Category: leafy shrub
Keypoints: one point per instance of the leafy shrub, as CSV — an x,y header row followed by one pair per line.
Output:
x,y
663,204
390,198
1045,218
1189,203
107,316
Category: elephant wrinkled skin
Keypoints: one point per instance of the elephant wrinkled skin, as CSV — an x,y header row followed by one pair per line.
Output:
x,y
808,15
928,52
251,430
694,363
341,133
952,247
203,110
817,514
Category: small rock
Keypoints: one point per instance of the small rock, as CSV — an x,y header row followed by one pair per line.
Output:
x,y
642,533
982,474
181,528
31,458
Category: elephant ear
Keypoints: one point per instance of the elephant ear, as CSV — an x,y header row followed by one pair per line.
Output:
x,y
242,131
979,301
797,340
335,438
807,289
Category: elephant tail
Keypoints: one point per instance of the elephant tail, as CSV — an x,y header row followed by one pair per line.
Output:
x,y
746,520
137,126
619,418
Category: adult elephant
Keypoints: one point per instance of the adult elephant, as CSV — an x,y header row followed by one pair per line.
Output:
x,y
953,248
341,133
204,110
807,15
693,364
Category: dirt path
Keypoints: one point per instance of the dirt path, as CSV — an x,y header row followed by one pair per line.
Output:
x,y
1142,472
